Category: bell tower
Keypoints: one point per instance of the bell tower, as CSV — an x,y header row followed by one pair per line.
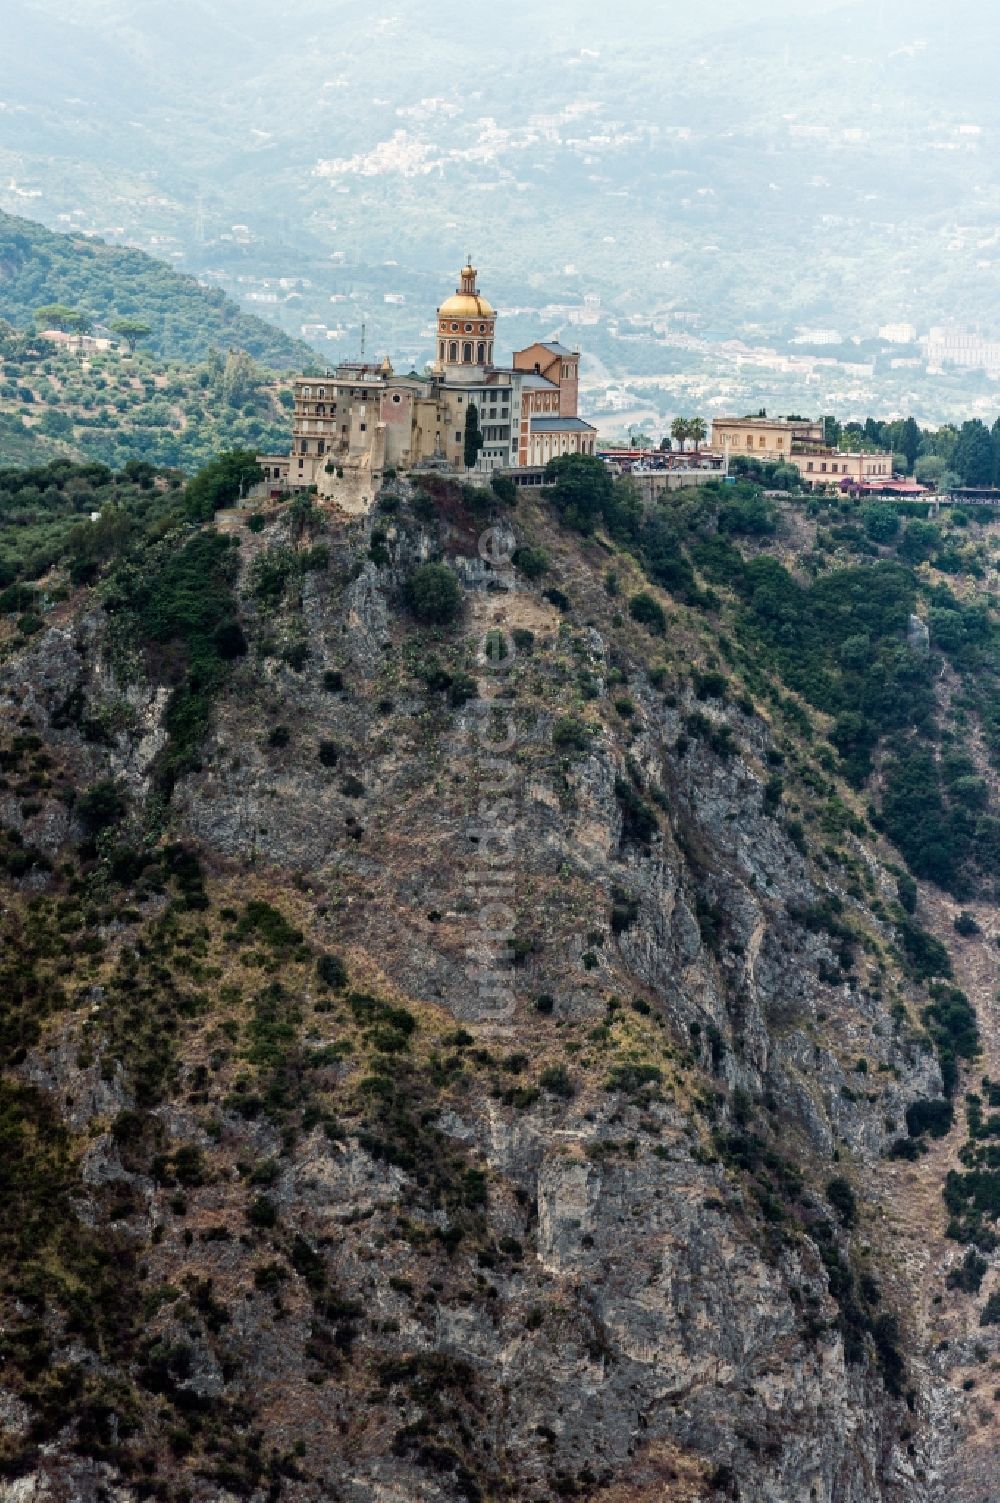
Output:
x,y
466,327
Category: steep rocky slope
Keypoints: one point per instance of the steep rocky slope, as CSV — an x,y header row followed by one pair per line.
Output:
x,y
318,1188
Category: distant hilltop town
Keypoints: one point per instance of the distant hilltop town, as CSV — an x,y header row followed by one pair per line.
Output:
x,y
464,413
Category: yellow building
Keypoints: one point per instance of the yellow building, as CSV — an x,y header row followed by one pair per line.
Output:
x,y
353,423
769,439
800,442
829,467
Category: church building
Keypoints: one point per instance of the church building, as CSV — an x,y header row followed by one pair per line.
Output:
x,y
352,424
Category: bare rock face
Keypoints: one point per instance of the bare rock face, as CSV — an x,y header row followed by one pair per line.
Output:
x,y
385,1244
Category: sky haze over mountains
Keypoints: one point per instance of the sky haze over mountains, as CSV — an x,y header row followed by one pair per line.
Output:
x,y
760,171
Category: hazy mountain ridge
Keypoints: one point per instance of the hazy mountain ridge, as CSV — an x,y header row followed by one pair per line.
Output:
x,y
39,268
745,178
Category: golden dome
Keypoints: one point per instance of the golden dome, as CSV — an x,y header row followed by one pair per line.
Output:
x,y
466,301
466,305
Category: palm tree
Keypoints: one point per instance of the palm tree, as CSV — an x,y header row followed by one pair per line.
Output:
x,y
680,431
697,431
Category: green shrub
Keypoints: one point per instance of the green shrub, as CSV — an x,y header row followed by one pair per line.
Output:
x,y
969,1275
624,910
230,642
934,1117
841,1196
221,483
570,734
101,806
773,791
906,891
433,594
262,1212
555,1079
259,921
647,610
332,971
925,955
532,562
638,819
951,1021
633,1078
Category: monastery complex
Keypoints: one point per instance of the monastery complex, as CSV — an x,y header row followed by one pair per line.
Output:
x,y
359,420
356,422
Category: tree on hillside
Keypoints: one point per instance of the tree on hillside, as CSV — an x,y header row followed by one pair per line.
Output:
x,y
131,330
928,470
907,441
680,432
582,490
972,457
995,441
941,442
433,594
221,483
59,316
473,441
241,378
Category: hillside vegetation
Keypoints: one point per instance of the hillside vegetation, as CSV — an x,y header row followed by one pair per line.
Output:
x,y
294,1200
106,283
114,407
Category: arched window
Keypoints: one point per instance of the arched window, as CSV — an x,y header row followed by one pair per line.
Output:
x,y
453,351
441,349
467,352
480,353
489,352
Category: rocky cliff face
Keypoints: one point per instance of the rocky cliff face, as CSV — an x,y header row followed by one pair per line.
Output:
x,y
323,1188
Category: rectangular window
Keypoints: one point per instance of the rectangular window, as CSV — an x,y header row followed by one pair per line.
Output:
x,y
458,438
809,465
